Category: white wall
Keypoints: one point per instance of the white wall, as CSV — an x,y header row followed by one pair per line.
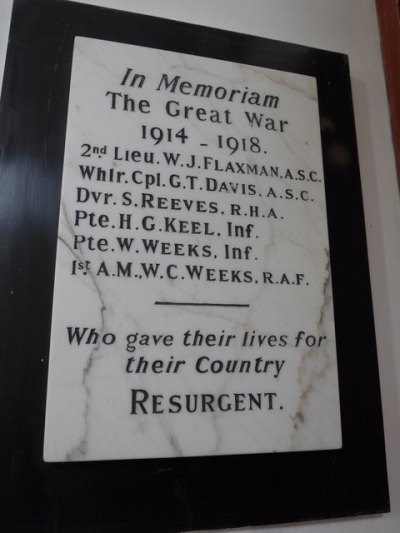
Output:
x,y
348,26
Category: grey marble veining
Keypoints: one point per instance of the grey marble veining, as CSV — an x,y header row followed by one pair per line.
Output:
x,y
235,217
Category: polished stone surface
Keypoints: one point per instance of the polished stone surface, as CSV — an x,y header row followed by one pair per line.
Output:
x,y
198,183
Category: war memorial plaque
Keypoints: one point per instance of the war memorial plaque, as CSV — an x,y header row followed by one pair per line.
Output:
x,y
197,197
192,309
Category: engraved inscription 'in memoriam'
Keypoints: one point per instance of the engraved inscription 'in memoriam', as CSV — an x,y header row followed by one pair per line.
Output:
x,y
193,309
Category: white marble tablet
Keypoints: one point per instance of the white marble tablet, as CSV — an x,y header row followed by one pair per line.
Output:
x,y
193,310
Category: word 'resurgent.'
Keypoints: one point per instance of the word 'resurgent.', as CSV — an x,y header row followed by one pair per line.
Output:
x,y
142,402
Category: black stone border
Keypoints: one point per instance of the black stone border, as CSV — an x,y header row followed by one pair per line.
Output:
x,y
166,494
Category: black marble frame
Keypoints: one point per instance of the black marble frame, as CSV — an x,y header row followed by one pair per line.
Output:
x,y
185,493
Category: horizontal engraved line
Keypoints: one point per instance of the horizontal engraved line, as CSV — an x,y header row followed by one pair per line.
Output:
x,y
203,304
